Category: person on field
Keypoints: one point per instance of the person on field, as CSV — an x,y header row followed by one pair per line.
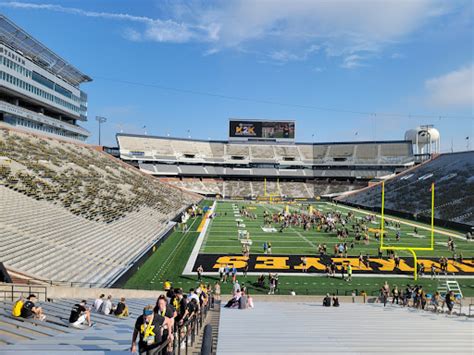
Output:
x,y
200,270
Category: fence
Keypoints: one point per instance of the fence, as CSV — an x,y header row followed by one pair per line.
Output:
x,y
11,292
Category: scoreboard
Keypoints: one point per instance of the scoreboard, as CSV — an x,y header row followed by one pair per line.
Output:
x,y
243,129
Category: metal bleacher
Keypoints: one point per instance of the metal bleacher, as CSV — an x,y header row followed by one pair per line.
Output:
x,y
54,336
309,328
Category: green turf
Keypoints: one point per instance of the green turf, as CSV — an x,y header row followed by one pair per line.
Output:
x,y
170,258
222,235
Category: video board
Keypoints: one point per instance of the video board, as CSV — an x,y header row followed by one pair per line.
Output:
x,y
261,129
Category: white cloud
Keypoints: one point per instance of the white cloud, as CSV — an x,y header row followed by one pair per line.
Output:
x,y
454,89
352,61
285,30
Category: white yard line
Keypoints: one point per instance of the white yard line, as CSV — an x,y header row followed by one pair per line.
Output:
x,y
188,269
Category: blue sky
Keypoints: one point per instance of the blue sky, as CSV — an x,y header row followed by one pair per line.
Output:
x,y
336,67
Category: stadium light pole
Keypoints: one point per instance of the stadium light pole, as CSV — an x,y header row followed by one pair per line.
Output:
x,y
101,120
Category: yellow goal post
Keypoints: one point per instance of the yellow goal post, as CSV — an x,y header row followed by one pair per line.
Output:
x,y
410,248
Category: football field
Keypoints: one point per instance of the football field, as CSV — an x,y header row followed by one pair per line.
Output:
x,y
220,243
223,231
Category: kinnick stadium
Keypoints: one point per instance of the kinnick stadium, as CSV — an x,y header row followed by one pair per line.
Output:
x,y
242,245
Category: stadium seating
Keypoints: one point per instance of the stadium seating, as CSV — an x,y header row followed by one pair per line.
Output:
x,y
296,189
167,149
237,188
410,191
62,199
351,328
243,188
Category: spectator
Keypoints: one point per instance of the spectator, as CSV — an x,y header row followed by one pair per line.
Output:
x,y
236,287
106,306
450,301
168,313
192,295
29,309
149,329
304,263
163,308
349,272
243,301
179,303
17,306
217,291
436,302
234,273
98,302
395,295
200,270
385,293
327,301
192,308
122,309
272,285
234,302
226,273
221,273
79,315
335,301
167,285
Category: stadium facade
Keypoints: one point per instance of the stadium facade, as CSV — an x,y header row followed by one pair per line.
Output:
x,y
39,91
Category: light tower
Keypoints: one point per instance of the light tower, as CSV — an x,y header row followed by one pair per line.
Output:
x,y
101,120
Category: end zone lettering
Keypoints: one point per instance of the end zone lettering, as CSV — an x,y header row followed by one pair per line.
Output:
x,y
293,264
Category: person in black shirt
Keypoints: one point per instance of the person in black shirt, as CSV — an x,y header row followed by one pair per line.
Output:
x,y
327,301
29,310
149,327
191,308
79,315
121,310
179,303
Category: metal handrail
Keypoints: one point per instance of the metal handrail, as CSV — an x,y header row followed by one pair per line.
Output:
x,y
15,291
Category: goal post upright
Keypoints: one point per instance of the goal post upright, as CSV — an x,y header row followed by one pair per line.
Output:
x,y
410,249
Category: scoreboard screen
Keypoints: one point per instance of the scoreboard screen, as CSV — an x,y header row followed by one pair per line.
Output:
x,y
258,129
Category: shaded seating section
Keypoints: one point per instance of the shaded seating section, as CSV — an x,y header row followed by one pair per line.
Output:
x,y
410,191
237,188
255,188
57,196
296,189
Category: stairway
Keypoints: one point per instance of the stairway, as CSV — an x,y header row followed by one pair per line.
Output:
x,y
446,285
213,319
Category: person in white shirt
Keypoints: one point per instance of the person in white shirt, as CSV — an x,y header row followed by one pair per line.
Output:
x,y
236,287
192,294
106,306
98,302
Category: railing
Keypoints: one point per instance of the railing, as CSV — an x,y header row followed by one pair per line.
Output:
x,y
187,333
207,341
14,291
